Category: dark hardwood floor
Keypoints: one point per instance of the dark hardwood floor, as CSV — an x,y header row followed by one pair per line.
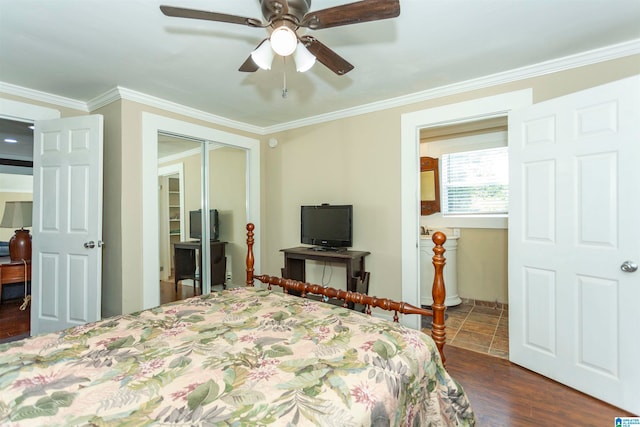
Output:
x,y
169,294
505,394
501,393
14,323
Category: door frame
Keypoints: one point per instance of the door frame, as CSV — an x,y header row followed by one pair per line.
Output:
x,y
411,124
23,112
28,113
151,125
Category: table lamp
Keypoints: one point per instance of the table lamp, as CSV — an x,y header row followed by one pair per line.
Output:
x,y
18,214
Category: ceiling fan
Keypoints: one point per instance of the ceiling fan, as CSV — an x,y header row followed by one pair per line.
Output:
x,y
283,18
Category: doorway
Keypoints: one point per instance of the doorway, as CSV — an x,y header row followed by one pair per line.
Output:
x,y
16,184
171,218
411,124
473,175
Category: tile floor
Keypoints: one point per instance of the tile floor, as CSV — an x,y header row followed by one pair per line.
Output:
x,y
478,326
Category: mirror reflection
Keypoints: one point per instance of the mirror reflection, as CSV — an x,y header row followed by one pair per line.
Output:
x,y
429,186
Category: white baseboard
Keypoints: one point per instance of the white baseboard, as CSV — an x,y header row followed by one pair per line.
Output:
x,y
187,282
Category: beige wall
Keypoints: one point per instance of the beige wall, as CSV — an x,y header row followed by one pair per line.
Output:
x,y
227,184
352,160
357,160
122,261
482,264
113,213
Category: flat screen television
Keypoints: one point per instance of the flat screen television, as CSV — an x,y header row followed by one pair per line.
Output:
x,y
327,226
195,224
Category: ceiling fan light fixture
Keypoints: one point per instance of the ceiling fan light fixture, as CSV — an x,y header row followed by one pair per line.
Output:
x,y
263,55
303,58
284,41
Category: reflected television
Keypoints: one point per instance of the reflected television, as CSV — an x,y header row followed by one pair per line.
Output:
x,y
195,224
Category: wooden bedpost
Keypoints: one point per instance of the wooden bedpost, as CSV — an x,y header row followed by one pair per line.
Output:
x,y
438,293
250,260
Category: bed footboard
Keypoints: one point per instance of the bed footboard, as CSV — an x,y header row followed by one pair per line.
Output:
x,y
438,291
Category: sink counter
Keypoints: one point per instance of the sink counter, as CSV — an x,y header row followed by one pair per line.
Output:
x,y
450,273
451,233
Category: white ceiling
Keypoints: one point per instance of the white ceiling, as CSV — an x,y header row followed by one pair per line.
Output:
x,y
81,49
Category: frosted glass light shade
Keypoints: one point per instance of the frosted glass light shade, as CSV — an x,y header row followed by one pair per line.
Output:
x,y
263,55
284,41
304,59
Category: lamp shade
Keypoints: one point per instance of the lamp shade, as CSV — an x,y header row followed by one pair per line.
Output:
x,y
263,55
283,41
17,214
303,58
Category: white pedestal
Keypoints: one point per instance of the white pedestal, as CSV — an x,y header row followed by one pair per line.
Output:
x,y
450,272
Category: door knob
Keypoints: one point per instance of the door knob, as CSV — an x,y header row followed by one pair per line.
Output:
x,y
629,266
90,245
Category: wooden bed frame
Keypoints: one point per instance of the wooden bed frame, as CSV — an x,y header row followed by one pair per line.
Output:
x,y
438,291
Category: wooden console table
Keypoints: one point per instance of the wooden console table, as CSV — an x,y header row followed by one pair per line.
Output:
x,y
187,256
357,278
14,272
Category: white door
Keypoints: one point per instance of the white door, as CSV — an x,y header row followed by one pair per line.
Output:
x,y
574,211
67,223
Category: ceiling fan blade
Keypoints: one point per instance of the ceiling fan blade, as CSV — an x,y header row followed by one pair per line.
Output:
x,y
180,12
249,66
326,56
352,13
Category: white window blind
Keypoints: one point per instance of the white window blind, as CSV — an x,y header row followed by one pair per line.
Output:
x,y
475,182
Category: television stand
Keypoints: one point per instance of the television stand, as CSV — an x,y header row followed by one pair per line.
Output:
x,y
327,249
188,255
357,277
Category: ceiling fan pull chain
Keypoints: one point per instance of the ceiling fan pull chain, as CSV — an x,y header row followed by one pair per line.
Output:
x,y
284,78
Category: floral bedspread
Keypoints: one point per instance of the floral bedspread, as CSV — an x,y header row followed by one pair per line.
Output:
x,y
240,357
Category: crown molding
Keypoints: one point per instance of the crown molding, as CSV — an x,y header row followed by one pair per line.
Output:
x,y
556,65
552,66
152,101
105,99
36,95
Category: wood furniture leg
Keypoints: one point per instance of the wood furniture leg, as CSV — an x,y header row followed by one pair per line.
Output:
x,y
188,255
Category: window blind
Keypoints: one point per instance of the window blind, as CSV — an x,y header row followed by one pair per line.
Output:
x,y
475,182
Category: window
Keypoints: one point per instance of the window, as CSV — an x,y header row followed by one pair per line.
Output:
x,y
474,172
475,182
